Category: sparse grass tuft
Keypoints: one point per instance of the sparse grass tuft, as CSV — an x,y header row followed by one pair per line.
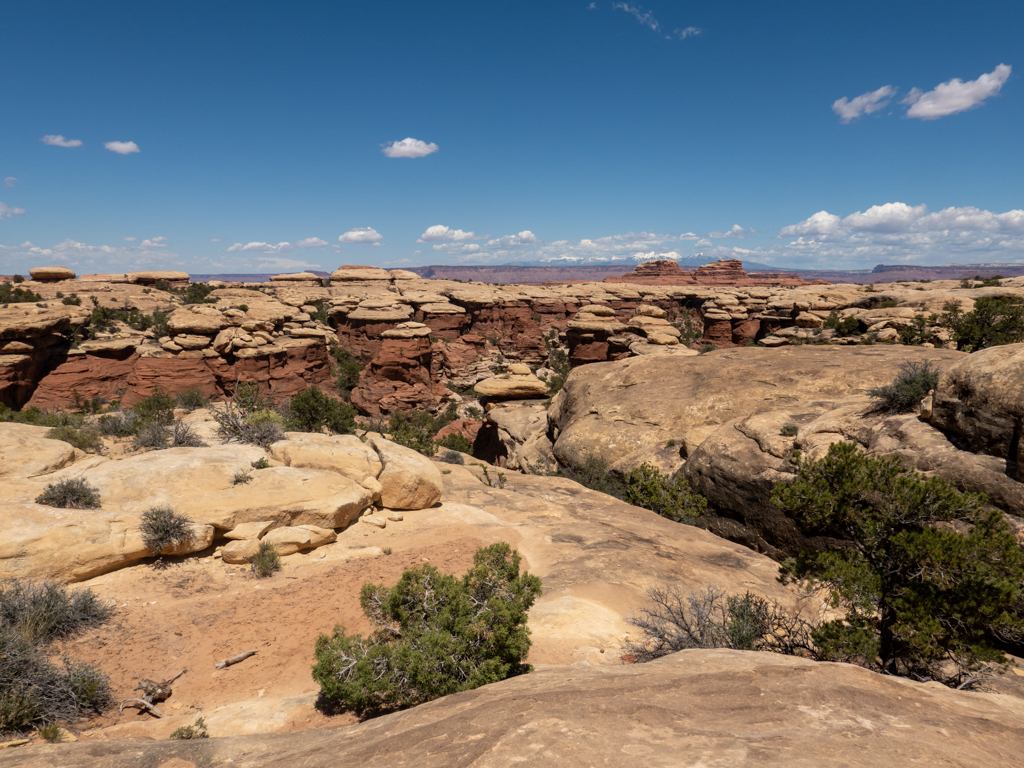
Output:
x,y
70,493
195,731
162,529
50,732
242,477
46,611
265,561
191,399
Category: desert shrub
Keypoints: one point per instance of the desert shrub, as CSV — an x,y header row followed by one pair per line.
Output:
x,y
249,398
993,321
451,457
262,427
184,436
119,423
670,497
18,279
595,475
348,368
789,430
261,463
40,418
456,442
417,430
9,295
710,619
191,399
70,493
266,561
242,477
849,326
194,293
50,732
152,436
558,361
84,439
922,599
72,300
433,635
158,407
705,348
45,611
913,382
162,528
160,327
312,411
195,731
320,315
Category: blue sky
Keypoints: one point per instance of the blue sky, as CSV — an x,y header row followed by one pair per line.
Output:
x,y
269,137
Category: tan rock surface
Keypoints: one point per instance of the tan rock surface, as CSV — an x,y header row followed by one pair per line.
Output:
x,y
512,386
408,479
52,273
345,454
695,707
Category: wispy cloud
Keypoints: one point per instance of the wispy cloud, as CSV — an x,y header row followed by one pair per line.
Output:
x,y
366,235
439,233
10,181
122,147
736,232
258,247
281,265
955,95
644,17
310,242
154,242
872,101
682,34
131,239
409,147
7,211
56,140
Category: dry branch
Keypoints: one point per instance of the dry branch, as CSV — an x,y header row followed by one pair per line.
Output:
x,y
235,659
141,704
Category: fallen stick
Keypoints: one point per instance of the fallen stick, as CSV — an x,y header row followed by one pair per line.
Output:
x,y
235,659
144,705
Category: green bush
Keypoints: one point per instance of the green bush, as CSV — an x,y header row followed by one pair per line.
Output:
x,y
194,293
84,439
266,561
120,423
789,430
9,295
922,599
71,493
993,321
710,619
72,300
50,732
242,477
705,348
433,635
849,326
248,417
456,442
261,463
153,436
417,430
162,529
18,279
195,731
348,371
158,407
312,411
191,399
913,382
670,497
45,611
594,474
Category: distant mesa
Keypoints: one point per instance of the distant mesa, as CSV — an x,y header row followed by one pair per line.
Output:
x,y
726,272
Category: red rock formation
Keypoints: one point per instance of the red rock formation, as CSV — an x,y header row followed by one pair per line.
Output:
x,y
399,378
468,428
726,272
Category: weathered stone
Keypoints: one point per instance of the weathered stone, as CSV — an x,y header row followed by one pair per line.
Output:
x,y
240,551
409,479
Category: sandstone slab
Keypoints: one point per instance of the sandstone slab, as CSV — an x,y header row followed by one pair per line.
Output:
x,y
409,480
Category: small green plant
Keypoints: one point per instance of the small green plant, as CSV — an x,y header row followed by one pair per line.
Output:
x,y
261,463
670,497
84,439
72,301
348,369
266,561
70,493
451,457
433,635
387,550
456,442
670,444
887,304
913,382
242,477
50,732
849,326
498,482
157,407
191,399
705,348
164,529
195,731
243,307
119,423
789,430
320,315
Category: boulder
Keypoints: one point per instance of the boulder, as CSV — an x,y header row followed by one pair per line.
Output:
x,y
51,274
409,479
349,274
240,551
252,530
202,320
345,454
288,540
296,277
511,386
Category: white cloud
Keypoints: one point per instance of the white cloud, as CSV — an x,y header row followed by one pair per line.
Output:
x,y
439,233
898,232
409,147
215,239
122,147
592,6
7,212
56,140
865,104
361,235
310,242
131,239
644,17
652,255
955,95
10,181
155,242
256,247
86,258
526,237
689,32
736,232
456,247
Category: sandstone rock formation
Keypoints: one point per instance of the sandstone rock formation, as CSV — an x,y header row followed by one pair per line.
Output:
x,y
723,272
695,707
